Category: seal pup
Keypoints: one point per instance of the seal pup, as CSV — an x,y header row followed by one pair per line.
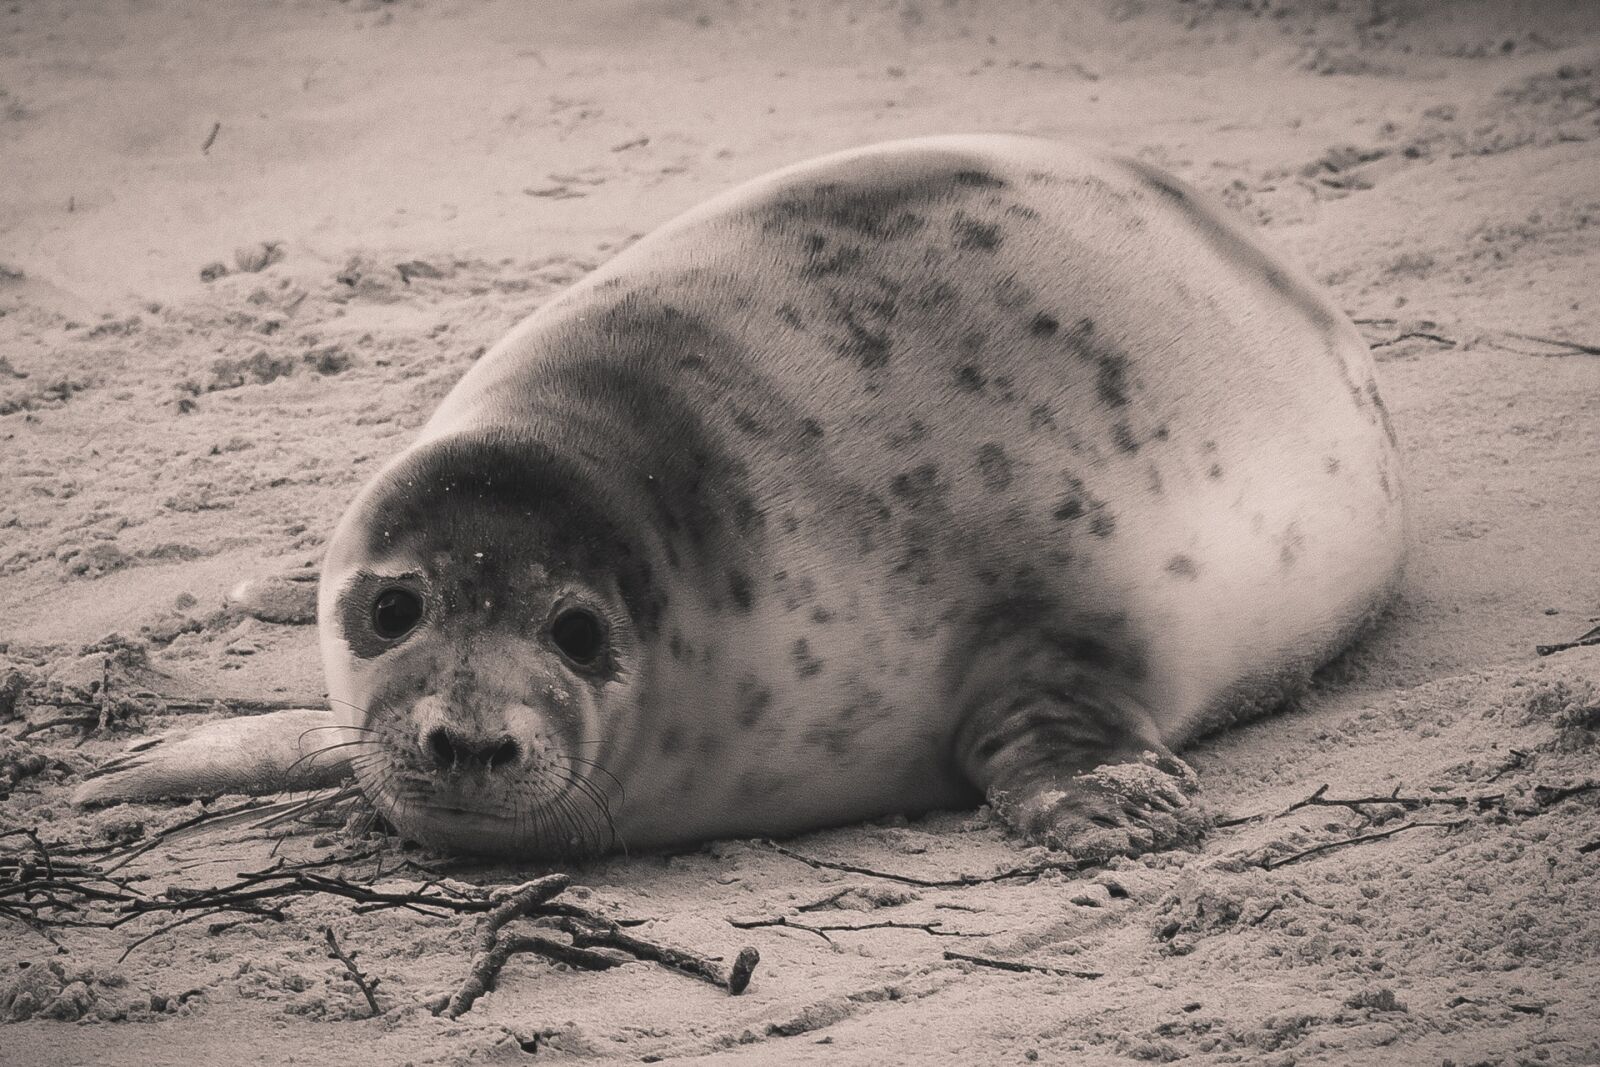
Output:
x,y
949,468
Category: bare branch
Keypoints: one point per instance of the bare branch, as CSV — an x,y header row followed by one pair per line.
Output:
x,y
1272,864
363,983
1009,965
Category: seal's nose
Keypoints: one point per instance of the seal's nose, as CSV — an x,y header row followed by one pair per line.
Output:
x,y
457,750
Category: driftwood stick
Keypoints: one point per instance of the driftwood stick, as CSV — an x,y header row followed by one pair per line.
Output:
x,y
1590,638
933,928
1271,864
363,983
1556,342
491,952
487,966
265,913
1320,799
1021,968
606,934
1031,871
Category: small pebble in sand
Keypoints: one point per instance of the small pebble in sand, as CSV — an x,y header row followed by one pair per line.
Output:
x,y
258,256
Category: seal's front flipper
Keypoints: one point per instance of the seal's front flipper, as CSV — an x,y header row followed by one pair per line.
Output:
x,y
1117,809
1074,769
286,751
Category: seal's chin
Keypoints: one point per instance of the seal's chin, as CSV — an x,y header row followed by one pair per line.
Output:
x,y
503,822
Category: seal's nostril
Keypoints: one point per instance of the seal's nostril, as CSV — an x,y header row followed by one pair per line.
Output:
x,y
441,749
504,755
451,750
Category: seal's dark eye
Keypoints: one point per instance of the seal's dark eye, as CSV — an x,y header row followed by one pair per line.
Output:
x,y
579,635
395,612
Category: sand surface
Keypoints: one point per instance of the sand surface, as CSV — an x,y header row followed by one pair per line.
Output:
x,y
1437,166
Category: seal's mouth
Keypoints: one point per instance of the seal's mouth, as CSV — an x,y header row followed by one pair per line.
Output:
x,y
547,816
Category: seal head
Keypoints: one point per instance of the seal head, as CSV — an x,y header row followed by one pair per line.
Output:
x,y
477,675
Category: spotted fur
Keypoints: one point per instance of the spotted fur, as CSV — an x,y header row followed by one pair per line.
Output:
x,y
923,470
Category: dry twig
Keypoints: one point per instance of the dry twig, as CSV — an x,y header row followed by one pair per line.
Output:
x,y
594,931
588,931
363,983
1010,965
932,928
1032,871
1413,803
1270,863
1590,638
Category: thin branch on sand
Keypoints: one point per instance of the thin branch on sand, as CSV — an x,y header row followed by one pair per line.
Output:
x,y
1021,968
367,985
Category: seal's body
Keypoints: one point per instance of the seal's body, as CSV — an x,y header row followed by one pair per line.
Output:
x,y
930,470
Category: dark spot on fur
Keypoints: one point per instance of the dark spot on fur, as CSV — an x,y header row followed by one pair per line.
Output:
x,y
919,488
930,297
811,428
866,346
977,179
1183,567
748,424
791,317
754,700
821,616
1162,433
1111,365
1010,294
1292,543
1040,418
1070,507
1214,472
672,741
974,236
841,260
994,466
675,645
915,433
1044,326
1111,379
969,378
1103,524
916,560
805,664
739,589
1330,464
748,519
1122,434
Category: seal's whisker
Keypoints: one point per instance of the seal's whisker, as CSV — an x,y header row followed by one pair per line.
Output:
x,y
579,822
310,757
597,803
338,726
621,792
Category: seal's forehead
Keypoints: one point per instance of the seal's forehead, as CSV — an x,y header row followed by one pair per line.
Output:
x,y
483,498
